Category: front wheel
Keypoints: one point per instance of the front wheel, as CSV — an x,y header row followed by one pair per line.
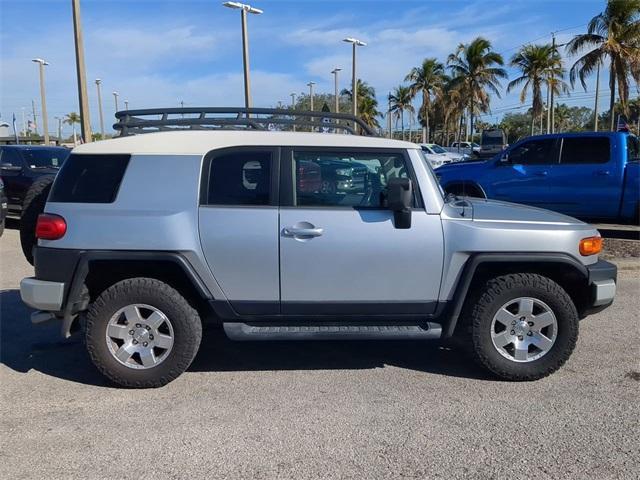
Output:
x,y
524,326
142,333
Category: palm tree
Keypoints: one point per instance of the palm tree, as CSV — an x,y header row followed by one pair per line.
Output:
x,y
427,79
71,119
400,100
477,68
367,103
539,65
614,35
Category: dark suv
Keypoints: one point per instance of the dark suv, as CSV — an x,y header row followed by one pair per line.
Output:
x,y
21,166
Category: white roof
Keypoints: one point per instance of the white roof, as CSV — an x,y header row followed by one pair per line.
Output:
x,y
201,142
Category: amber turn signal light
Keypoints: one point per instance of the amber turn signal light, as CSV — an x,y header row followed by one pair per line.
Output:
x,y
590,246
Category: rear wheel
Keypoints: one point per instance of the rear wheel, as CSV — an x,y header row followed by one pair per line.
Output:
x,y
33,206
142,333
524,326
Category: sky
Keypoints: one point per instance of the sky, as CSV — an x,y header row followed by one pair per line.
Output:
x,y
157,53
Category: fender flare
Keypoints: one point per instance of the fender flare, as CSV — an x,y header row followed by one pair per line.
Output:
x,y
463,282
77,296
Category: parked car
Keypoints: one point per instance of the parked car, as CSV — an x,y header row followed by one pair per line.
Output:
x,y
592,175
439,156
492,142
466,147
28,172
145,235
3,207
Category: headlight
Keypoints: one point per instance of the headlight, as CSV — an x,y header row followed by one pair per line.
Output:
x,y
345,172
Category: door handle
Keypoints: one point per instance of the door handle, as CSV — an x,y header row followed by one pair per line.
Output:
x,y
541,174
303,232
602,173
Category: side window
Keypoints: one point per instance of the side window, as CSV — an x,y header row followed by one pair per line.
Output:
x,y
534,152
345,179
10,158
240,178
633,149
585,150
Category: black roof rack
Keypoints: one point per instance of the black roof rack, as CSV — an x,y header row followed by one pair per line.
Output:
x,y
132,122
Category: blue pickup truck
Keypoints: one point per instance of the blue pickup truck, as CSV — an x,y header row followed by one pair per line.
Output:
x,y
592,175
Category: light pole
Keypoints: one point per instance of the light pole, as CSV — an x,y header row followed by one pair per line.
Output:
x,y
98,82
45,126
335,79
115,98
354,87
83,98
59,129
310,85
293,107
244,9
126,104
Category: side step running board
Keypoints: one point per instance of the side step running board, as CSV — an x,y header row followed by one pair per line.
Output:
x,y
245,331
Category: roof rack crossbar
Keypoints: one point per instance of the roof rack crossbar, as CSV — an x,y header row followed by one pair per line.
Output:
x,y
131,122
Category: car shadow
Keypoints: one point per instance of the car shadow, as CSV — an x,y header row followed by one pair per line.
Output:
x,y
25,347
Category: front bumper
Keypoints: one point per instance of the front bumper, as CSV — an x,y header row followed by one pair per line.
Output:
x,y
602,281
42,294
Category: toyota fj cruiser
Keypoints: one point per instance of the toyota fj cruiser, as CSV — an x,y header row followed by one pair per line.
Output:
x,y
145,235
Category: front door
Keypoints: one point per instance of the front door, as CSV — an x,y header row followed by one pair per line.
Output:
x,y
340,252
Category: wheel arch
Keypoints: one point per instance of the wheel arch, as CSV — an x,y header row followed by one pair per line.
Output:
x,y
98,270
562,268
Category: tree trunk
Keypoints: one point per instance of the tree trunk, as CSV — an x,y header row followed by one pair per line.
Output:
x,y
533,120
471,120
425,117
612,100
75,138
402,123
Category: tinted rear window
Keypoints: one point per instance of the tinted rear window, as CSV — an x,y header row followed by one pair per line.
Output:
x,y
89,179
585,150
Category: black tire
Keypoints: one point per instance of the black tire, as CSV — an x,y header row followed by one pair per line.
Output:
x,y
187,329
34,202
497,292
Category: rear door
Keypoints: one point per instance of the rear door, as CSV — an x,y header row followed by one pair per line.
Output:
x,y
238,220
524,177
587,182
340,253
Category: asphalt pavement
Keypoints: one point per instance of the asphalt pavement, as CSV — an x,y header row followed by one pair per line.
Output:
x,y
317,409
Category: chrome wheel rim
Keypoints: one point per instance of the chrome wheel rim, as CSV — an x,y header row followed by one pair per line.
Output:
x,y
139,336
524,329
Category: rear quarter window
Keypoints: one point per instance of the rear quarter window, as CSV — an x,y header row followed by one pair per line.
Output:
x,y
89,179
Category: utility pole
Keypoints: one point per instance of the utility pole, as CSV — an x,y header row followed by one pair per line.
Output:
x,y
43,99
98,82
337,98
24,124
83,99
595,111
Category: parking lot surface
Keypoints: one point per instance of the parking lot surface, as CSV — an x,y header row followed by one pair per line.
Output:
x,y
323,409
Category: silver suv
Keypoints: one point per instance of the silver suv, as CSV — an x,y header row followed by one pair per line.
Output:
x,y
297,235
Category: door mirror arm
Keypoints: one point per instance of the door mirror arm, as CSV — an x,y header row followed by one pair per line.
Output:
x,y
399,201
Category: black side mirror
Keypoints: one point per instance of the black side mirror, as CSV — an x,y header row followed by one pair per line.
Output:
x,y
399,200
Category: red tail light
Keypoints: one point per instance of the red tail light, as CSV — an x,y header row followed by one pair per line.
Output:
x,y
50,227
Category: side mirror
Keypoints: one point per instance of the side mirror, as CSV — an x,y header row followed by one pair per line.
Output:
x,y
10,167
399,200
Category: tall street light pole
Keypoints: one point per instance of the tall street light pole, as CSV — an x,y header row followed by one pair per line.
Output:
x,y
293,107
83,98
98,82
244,9
354,86
126,104
310,85
337,99
59,129
45,124
115,98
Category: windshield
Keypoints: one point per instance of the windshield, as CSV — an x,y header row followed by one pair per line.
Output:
x,y
438,149
427,163
45,157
